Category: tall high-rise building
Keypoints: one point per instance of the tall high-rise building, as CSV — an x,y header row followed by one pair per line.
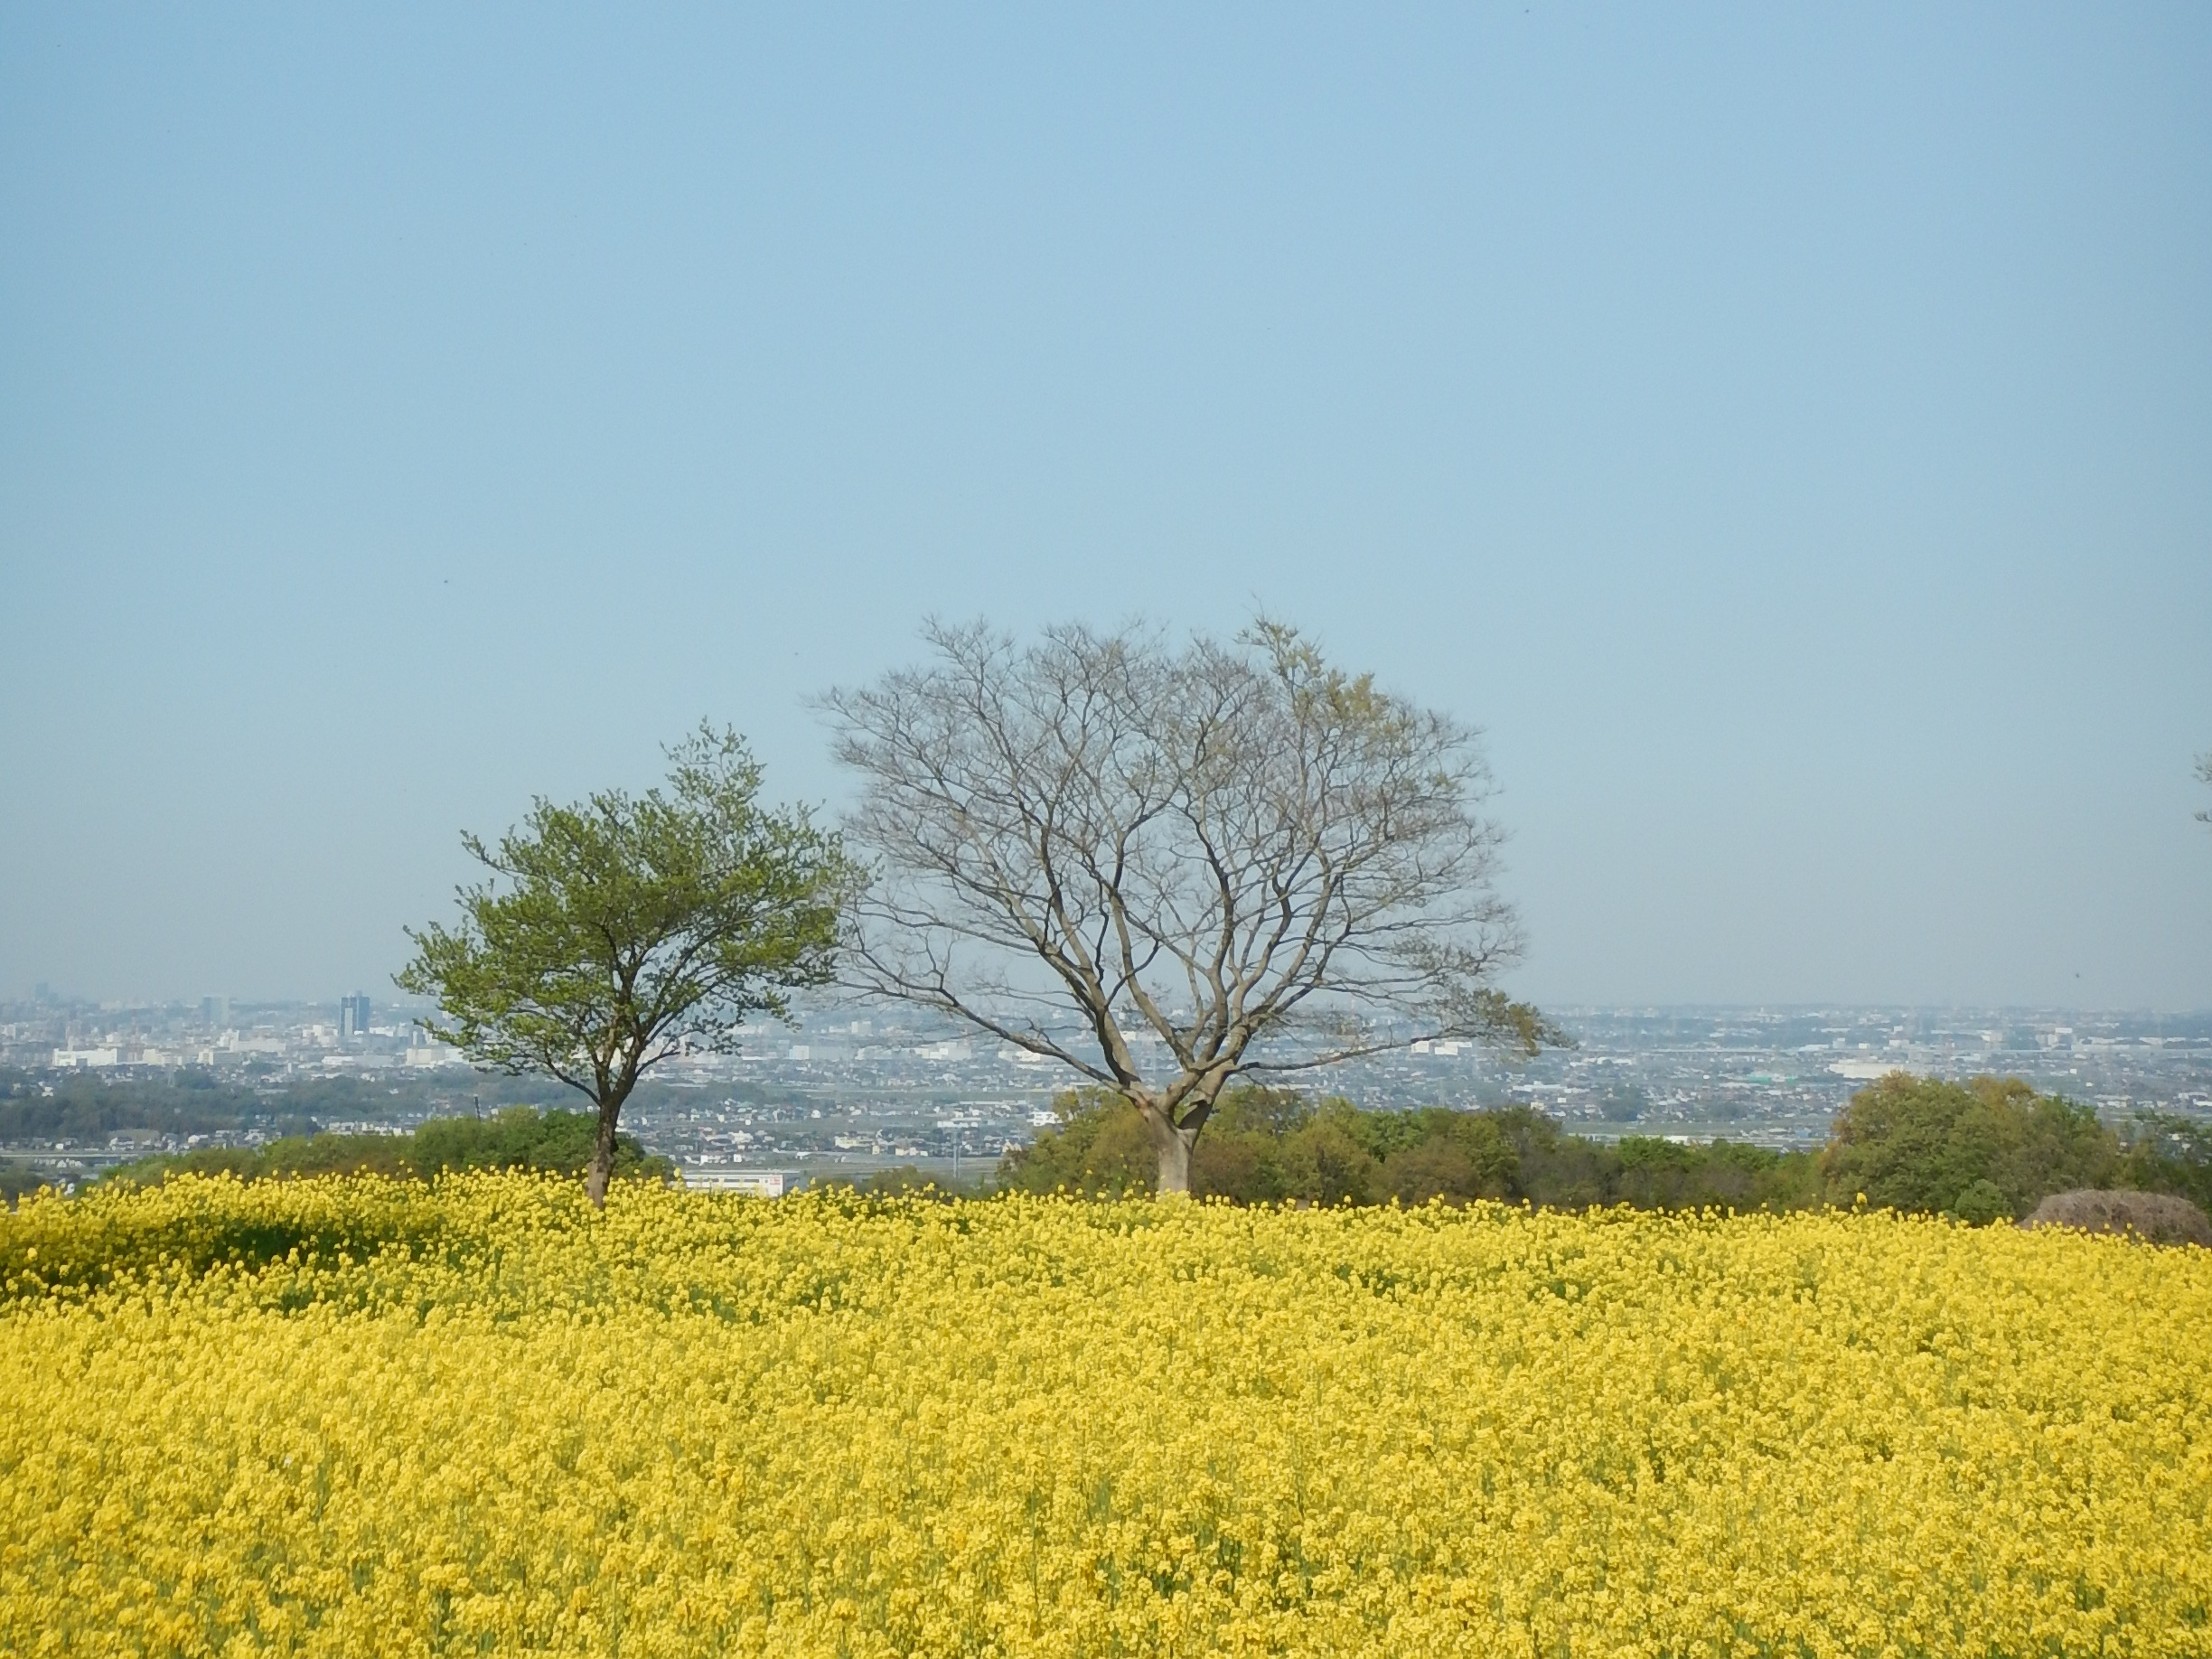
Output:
x,y
353,1016
214,1012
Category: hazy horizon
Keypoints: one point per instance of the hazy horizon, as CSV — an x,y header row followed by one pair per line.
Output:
x,y
1787,435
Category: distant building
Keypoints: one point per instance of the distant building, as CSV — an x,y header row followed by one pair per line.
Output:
x,y
214,1012
117,1054
352,1017
754,1183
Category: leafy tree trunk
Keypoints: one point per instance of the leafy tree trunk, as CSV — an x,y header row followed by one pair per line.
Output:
x,y
603,1154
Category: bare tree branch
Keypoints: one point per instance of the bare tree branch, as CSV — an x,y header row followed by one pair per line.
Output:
x,y
1209,842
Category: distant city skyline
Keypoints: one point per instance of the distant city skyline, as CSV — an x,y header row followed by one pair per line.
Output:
x,y
905,1086
1784,431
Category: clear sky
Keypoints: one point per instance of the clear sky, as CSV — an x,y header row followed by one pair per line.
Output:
x,y
1787,429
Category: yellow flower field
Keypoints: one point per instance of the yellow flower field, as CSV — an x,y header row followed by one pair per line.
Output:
x,y
347,1417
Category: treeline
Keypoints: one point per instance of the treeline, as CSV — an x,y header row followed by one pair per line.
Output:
x,y
1984,1151
516,1138
85,1106
1266,1145
1993,1148
92,1107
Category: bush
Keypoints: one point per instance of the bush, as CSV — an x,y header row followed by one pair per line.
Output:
x,y
19,1179
1325,1163
1981,1205
1667,1175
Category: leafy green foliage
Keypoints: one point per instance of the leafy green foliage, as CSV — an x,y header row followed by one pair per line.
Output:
x,y
18,1177
1101,1149
1985,1150
1920,1143
1980,1203
518,1138
2169,1153
629,924
1269,1145
614,933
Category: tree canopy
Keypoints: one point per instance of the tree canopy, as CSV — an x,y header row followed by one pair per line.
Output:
x,y
1985,1147
1986,1150
615,932
1168,868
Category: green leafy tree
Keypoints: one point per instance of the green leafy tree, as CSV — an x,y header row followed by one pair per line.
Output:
x,y
1654,1174
1099,1150
1471,1158
615,932
1982,1204
1920,1143
1241,1157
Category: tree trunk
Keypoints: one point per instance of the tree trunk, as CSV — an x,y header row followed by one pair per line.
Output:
x,y
1174,1145
603,1155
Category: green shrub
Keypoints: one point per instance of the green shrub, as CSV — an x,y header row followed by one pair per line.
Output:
x,y
1981,1205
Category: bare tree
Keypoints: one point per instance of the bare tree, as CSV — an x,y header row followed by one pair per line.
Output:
x,y
1165,868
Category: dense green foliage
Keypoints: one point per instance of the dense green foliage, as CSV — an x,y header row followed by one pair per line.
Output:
x,y
1268,1146
18,1177
616,932
519,1137
1981,1149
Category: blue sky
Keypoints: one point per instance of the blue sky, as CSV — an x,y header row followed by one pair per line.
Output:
x,y
1789,431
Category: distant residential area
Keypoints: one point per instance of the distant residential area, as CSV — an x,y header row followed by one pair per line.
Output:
x,y
850,1091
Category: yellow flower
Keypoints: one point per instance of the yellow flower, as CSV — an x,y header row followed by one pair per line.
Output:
x,y
347,1417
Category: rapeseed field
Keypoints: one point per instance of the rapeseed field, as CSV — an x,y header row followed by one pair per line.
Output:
x,y
359,1416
